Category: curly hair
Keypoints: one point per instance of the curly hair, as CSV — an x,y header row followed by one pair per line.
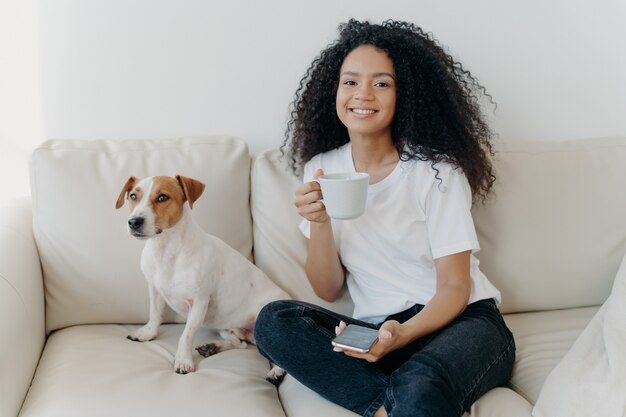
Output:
x,y
438,116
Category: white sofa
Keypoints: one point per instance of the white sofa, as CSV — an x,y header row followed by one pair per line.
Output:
x,y
552,237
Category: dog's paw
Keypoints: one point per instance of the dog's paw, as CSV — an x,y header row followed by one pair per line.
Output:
x,y
208,349
183,365
143,334
276,375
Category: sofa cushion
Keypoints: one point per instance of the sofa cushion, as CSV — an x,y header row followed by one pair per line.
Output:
x,y
300,401
90,263
554,232
95,371
279,246
542,339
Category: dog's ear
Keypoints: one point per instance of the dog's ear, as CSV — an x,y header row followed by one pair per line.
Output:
x,y
130,183
191,188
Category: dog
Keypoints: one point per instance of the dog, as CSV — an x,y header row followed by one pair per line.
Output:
x,y
190,270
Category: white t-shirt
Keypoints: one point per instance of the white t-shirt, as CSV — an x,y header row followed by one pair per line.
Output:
x,y
413,216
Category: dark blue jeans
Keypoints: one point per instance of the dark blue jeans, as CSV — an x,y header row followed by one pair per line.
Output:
x,y
439,375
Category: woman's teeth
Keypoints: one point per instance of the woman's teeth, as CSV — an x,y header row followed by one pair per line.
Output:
x,y
363,111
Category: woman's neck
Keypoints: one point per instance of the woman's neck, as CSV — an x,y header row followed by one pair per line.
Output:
x,y
378,157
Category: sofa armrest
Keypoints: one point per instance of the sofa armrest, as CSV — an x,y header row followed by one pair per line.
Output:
x,y
22,324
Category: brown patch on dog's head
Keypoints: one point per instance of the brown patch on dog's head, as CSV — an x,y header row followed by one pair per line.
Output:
x,y
167,199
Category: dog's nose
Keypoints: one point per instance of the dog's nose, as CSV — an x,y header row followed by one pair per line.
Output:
x,y
135,223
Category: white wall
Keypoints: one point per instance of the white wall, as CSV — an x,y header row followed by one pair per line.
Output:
x,y
20,94
160,68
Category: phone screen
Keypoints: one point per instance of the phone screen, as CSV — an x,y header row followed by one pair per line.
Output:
x,y
357,338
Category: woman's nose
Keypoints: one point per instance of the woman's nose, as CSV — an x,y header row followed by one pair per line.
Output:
x,y
364,92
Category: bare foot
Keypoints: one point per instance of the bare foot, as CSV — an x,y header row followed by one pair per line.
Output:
x,y
381,412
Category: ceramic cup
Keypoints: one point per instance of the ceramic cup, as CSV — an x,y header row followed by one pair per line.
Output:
x,y
344,194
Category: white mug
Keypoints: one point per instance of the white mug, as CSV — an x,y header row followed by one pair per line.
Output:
x,y
344,194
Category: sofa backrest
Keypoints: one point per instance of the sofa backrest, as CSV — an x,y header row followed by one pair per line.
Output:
x,y
90,263
552,234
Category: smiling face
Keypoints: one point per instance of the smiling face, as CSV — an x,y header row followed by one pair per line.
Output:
x,y
366,96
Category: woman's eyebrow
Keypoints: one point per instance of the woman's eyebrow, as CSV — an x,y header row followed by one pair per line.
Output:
x,y
376,74
384,74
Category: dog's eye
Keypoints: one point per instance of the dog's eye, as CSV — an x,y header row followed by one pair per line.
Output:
x,y
133,196
162,198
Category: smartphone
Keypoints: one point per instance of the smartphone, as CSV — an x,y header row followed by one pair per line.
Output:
x,y
356,338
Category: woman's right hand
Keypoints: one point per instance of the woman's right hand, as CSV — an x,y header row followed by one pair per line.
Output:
x,y
308,203
323,267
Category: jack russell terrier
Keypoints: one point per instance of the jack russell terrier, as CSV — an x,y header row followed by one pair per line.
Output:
x,y
198,275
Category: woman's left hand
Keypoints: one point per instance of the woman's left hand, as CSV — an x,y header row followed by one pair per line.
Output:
x,y
390,338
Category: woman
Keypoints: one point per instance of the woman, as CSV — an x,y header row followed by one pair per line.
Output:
x,y
387,100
